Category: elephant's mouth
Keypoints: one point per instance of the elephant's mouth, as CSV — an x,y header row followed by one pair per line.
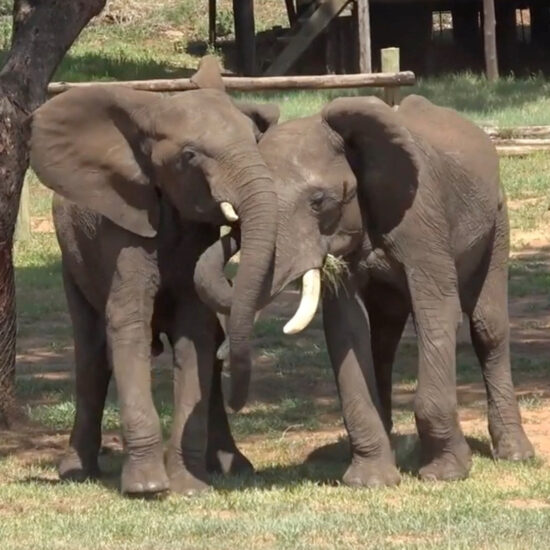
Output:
x,y
305,312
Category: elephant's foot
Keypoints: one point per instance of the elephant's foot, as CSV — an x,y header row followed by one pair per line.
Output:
x,y
188,481
73,468
185,483
513,445
372,473
144,477
451,464
228,462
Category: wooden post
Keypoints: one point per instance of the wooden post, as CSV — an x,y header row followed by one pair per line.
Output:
x,y
211,22
23,223
390,62
245,39
489,39
363,22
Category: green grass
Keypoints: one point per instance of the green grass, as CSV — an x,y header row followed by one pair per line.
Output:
x,y
296,506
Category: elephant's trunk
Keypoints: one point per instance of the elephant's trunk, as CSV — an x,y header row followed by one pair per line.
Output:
x,y
257,209
211,283
253,202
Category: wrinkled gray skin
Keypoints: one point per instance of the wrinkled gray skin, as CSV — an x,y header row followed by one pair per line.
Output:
x,y
411,198
132,171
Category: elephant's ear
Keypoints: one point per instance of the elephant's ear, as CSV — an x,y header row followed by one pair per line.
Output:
x,y
90,145
387,153
263,115
208,74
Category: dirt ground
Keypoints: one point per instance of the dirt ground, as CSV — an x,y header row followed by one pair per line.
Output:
x,y
530,341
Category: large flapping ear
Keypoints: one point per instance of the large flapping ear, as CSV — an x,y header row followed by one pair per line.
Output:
x,y
263,115
386,151
89,145
208,74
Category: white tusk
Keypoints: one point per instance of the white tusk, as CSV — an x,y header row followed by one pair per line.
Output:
x,y
311,290
229,212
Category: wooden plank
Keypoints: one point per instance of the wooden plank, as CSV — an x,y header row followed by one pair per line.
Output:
x,y
540,143
251,84
390,62
322,16
489,40
540,132
211,22
363,23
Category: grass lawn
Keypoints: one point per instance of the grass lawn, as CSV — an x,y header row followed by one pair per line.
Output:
x,y
291,429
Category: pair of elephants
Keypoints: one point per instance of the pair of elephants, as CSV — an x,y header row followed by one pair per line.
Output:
x,y
409,197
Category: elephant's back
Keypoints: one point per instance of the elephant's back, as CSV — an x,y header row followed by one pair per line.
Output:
x,y
456,137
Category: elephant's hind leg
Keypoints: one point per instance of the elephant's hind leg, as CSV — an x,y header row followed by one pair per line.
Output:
x,y
388,311
92,375
491,340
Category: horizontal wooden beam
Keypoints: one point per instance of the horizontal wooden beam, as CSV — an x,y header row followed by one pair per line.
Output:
x,y
518,132
255,84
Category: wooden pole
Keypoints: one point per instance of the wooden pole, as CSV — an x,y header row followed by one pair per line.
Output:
x,y
253,84
363,22
390,62
212,22
245,35
489,39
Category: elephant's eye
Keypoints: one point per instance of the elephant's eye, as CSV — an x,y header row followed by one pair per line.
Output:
x,y
317,201
188,155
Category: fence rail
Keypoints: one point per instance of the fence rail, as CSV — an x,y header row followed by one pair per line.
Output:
x,y
257,84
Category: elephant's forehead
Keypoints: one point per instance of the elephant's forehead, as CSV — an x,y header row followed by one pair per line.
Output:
x,y
204,108
300,146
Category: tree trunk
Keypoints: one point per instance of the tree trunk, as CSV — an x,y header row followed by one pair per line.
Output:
x,y
42,33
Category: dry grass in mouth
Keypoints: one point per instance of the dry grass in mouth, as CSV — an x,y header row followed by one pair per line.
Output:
x,y
333,270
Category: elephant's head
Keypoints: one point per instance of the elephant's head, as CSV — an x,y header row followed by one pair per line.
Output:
x,y
350,171
116,150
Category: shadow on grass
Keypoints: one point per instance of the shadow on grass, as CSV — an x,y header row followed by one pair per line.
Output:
x,y
112,65
88,67
327,465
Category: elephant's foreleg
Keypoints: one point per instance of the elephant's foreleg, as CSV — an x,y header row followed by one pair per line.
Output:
x,y
489,325
92,376
193,338
388,311
348,340
437,312
222,456
129,312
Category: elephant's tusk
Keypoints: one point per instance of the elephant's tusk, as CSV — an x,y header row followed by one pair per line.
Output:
x,y
229,212
311,290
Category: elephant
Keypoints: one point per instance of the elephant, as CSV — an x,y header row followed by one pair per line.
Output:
x,y
410,199
142,185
